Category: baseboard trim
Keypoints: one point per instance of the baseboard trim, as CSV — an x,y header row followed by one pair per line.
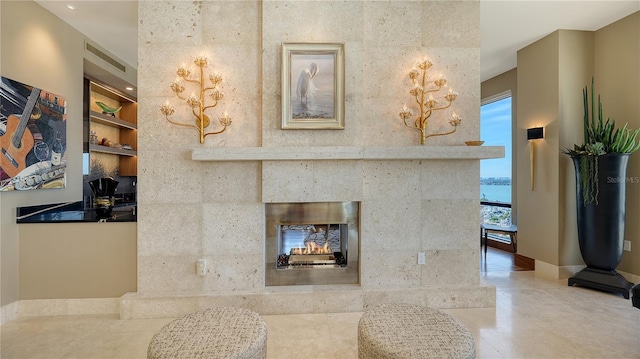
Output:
x,y
8,312
552,271
47,307
564,272
524,262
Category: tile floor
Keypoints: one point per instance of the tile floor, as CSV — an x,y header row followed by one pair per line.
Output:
x,y
534,318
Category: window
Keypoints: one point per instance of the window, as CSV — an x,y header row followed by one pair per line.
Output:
x,y
495,174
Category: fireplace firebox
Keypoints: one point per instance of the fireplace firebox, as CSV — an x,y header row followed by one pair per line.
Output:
x,y
311,243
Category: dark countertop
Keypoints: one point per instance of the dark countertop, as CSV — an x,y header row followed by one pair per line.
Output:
x,y
73,212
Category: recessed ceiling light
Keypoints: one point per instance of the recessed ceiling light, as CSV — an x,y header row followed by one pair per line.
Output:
x,y
129,88
71,7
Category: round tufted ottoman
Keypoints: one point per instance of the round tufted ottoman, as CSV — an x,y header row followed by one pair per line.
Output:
x,y
225,332
406,331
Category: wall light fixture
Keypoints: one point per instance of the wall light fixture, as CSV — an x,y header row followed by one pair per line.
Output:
x,y
423,87
198,104
534,133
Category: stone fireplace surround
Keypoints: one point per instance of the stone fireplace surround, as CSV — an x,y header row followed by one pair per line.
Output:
x,y
413,199
210,202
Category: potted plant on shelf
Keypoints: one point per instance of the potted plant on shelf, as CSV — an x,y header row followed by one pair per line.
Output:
x,y
601,164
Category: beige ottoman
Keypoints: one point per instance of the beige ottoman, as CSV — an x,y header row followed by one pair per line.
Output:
x,y
406,331
226,332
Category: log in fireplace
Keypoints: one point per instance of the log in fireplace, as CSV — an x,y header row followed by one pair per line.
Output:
x,y
311,243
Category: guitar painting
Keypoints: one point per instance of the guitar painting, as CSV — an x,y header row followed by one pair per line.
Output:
x,y
33,137
17,141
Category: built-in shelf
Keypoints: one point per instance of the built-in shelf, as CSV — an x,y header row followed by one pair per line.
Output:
x,y
111,121
111,150
346,153
119,129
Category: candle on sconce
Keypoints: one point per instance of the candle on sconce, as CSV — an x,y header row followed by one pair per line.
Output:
x,y
405,113
216,78
225,120
440,81
431,102
425,63
183,72
415,90
193,101
455,120
201,61
167,109
451,95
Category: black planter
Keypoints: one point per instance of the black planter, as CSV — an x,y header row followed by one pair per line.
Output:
x,y
601,226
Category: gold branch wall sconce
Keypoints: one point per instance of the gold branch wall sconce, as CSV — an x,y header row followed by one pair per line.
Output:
x,y
197,101
422,92
533,134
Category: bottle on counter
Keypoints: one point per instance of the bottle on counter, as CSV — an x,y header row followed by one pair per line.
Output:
x,y
56,150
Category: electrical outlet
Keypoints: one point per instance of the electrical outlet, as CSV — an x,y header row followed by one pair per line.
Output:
x,y
627,246
421,258
201,267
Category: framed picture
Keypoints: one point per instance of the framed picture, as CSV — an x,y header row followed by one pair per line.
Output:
x,y
33,137
313,86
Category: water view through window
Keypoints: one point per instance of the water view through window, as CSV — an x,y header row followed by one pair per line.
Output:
x,y
495,174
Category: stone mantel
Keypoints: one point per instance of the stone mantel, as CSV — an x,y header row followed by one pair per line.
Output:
x,y
346,153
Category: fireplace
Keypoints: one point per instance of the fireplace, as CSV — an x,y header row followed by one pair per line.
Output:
x,y
311,243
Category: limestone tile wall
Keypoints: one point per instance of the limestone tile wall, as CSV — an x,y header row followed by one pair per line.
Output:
x,y
189,210
383,40
193,209
404,212
312,181
312,21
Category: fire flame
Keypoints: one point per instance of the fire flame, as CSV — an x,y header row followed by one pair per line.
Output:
x,y
312,248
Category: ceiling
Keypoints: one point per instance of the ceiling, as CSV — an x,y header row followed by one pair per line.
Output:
x,y
506,26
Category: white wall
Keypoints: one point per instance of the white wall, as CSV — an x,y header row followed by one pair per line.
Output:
x,y
551,75
39,49
617,73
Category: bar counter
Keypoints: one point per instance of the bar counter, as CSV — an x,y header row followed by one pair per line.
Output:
x,y
74,212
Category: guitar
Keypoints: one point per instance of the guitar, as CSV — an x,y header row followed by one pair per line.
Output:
x,y
15,144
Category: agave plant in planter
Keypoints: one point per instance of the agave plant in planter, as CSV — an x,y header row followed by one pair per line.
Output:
x,y
600,164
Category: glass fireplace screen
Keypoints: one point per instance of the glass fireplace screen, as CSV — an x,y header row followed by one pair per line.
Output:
x,y
311,243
